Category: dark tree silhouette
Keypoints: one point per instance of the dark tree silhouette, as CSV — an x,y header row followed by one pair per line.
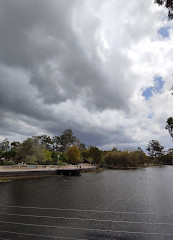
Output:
x,y
171,90
168,4
169,126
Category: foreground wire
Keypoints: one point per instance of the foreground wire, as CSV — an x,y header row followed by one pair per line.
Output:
x,y
85,219
85,210
86,229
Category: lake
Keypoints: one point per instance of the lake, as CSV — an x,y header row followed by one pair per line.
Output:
x,y
119,204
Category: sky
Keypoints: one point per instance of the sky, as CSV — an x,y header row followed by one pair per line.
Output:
x,y
101,68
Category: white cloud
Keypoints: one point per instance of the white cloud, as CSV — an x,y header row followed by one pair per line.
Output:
x,y
83,66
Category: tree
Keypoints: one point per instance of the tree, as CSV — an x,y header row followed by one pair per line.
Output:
x,y
11,154
4,145
32,152
168,4
168,157
56,143
73,154
46,141
15,144
116,158
125,158
136,158
86,156
6,152
82,146
95,154
68,139
114,149
47,156
169,126
4,148
155,150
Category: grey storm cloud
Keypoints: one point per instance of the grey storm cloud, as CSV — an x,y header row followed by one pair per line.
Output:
x,y
38,36
57,70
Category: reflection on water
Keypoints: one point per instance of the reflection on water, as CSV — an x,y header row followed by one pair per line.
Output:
x,y
127,203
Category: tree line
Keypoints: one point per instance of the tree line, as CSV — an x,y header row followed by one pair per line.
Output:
x,y
68,149
157,152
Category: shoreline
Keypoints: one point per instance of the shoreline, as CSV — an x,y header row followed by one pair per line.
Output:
x,y
137,167
10,176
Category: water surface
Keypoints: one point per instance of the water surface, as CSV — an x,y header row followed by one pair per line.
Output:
x,y
137,201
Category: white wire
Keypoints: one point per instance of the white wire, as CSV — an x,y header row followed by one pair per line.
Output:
x,y
85,210
37,235
87,229
85,219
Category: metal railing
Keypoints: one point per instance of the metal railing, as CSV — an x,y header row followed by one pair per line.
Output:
x,y
46,167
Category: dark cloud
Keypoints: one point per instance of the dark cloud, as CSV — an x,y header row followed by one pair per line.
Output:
x,y
17,96
39,37
28,27
58,71
91,135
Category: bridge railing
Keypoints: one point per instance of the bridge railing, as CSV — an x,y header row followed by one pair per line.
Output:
x,y
46,167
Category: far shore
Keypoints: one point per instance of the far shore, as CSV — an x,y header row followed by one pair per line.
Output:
x,y
136,167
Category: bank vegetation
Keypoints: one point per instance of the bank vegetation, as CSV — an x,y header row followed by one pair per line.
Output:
x,y
68,149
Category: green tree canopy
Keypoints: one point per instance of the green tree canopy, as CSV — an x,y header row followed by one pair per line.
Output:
x,y
73,154
32,152
95,154
155,150
125,158
86,156
169,126
67,139
4,145
46,141
6,152
168,157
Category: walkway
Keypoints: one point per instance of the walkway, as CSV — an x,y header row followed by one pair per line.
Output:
x,y
22,170
14,168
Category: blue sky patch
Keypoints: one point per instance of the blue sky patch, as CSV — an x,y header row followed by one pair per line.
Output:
x,y
164,32
157,88
150,116
148,93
